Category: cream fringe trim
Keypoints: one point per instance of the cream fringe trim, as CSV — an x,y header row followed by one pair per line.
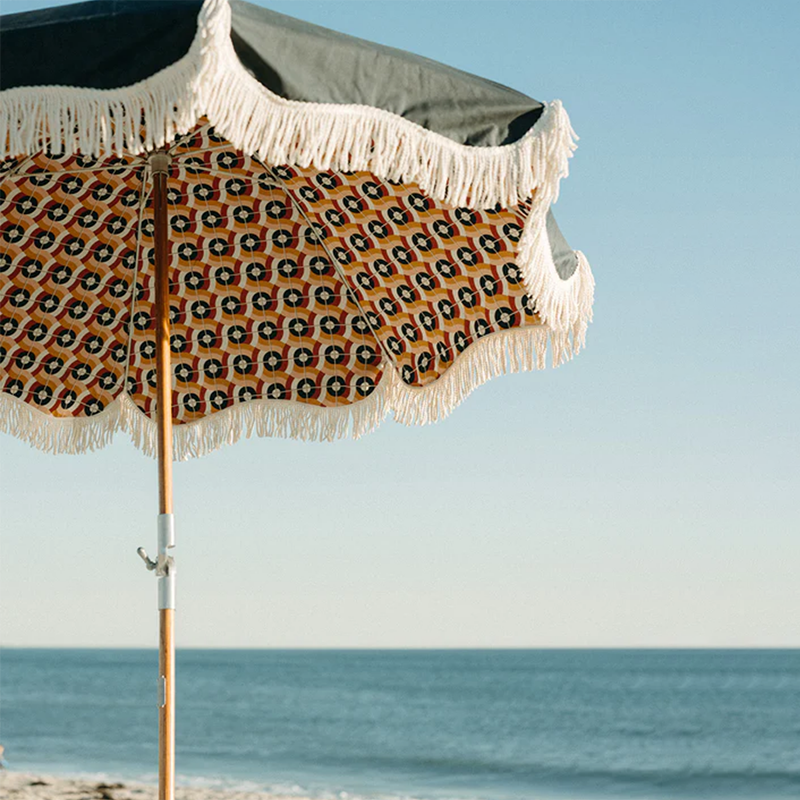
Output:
x,y
518,350
211,81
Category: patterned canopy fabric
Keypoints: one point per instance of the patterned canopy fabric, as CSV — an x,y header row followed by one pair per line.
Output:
x,y
328,263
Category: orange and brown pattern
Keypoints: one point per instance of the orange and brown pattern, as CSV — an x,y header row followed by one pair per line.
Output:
x,y
287,283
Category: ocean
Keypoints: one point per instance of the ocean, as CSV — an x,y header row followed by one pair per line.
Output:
x,y
435,725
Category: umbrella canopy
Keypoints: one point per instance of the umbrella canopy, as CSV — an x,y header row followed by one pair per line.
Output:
x,y
353,230
216,221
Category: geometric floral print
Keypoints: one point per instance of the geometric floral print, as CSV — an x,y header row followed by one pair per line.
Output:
x,y
286,283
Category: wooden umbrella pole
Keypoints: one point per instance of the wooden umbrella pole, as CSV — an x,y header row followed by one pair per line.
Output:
x,y
165,567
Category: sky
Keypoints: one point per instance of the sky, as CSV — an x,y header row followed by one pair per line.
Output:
x,y
642,495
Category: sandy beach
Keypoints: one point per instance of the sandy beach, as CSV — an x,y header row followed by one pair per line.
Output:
x,y
25,786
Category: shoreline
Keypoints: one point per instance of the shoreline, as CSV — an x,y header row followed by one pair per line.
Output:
x,y
37,786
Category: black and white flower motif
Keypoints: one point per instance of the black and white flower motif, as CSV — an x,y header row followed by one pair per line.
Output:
x,y
427,320
267,331
360,325
342,256
262,301
424,361
466,216
13,233
245,394
255,272
388,306
335,218
66,338
402,255
446,309
68,399
72,184
372,190
219,247
467,256
489,243
236,187
489,285
93,407
128,259
324,295
195,281
8,326
283,173
42,395
283,238
44,240
108,381
274,209
103,253
174,197
207,338
179,223
334,354
193,165
54,365
211,219
62,274
147,350
512,231
327,180
276,391
292,297
78,309
117,226
243,214
505,317
74,246
203,192
243,365
353,204
309,194
320,265
177,343
49,303
228,160
365,386
359,242
383,267
418,202
406,293
89,282
32,268
395,345
374,320
443,351
219,400
93,344
224,276
461,341
330,326
377,229
480,328
287,268
200,309
409,332
249,242
14,388
298,327
366,355
425,281
27,204
212,369
19,298
365,281
303,357
408,375
25,360
191,402
398,216
511,273
130,198
336,386
37,332
467,297
422,242
445,268
119,353
306,388
443,229
236,334
58,211
81,372
231,305
529,306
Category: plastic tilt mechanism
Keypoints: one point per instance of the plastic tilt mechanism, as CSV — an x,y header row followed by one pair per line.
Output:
x,y
164,565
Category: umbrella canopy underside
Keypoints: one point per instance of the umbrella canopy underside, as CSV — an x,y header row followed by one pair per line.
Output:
x,y
329,263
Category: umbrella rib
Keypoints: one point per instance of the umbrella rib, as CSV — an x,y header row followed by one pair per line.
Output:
x,y
391,361
143,195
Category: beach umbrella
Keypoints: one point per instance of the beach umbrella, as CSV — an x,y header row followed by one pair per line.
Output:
x,y
217,221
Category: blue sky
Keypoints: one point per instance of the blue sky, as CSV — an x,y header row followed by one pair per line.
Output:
x,y
641,495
